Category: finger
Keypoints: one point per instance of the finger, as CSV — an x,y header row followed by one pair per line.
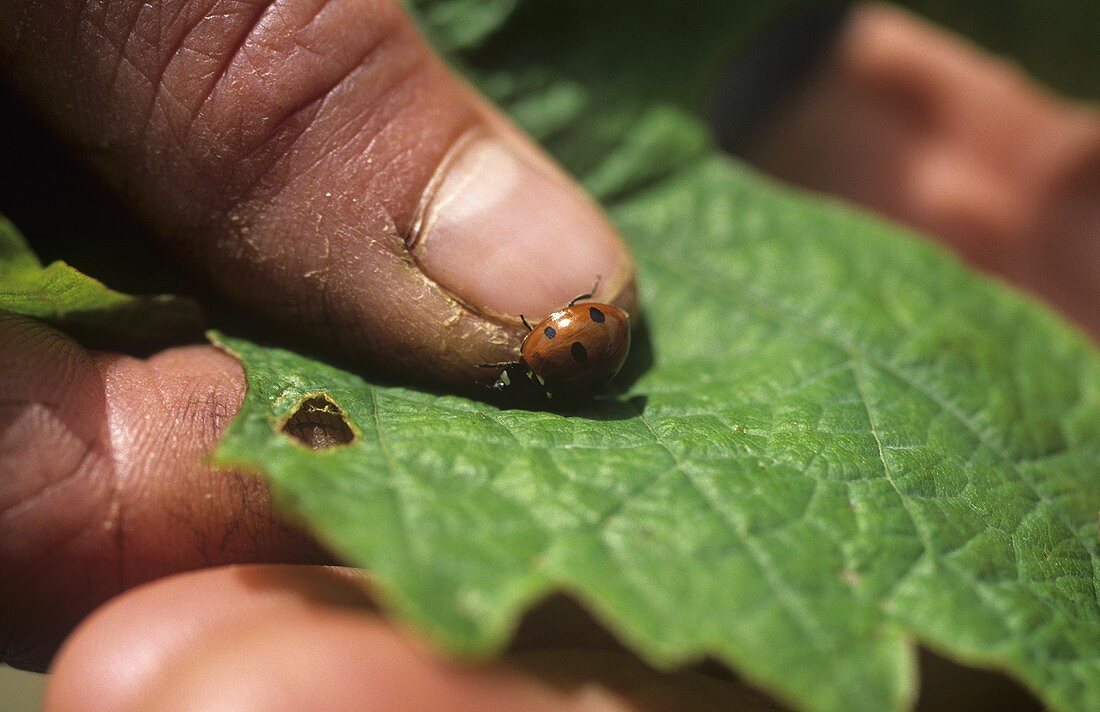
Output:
x,y
918,124
278,638
319,164
106,484
119,650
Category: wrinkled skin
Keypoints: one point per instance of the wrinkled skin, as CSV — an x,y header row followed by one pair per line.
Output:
x,y
304,220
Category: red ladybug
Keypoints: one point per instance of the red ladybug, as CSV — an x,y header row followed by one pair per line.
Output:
x,y
576,349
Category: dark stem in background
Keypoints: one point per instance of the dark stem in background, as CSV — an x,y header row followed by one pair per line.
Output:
x,y
757,83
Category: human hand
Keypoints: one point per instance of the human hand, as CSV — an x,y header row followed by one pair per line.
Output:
x,y
322,169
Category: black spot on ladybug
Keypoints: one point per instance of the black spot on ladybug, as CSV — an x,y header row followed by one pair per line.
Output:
x,y
596,314
549,331
580,354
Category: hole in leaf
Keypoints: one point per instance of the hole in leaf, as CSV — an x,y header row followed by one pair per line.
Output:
x,y
319,424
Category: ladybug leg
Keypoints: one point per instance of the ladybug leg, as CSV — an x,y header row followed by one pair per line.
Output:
x,y
503,380
586,295
540,383
524,320
499,364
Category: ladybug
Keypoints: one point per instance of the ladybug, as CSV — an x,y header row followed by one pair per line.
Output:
x,y
578,348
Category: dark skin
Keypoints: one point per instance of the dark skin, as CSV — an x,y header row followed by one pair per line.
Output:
x,y
105,485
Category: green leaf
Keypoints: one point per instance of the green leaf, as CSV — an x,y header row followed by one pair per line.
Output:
x,y
846,442
833,443
77,303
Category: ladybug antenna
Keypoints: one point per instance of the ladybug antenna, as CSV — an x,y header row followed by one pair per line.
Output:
x,y
588,294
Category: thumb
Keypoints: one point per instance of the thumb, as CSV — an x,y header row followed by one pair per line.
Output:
x,y
320,166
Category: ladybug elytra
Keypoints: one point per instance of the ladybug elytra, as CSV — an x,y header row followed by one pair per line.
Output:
x,y
578,348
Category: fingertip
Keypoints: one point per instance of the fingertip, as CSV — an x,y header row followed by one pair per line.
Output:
x,y
505,230
109,661
331,660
